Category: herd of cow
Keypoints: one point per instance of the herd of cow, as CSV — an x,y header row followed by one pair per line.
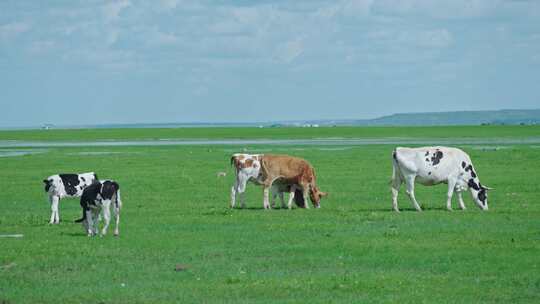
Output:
x,y
280,174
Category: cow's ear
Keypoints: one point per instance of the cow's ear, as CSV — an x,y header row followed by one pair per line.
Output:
x,y
323,194
46,181
487,188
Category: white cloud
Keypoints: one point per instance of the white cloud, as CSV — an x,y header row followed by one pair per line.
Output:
x,y
11,30
444,9
289,51
169,4
112,10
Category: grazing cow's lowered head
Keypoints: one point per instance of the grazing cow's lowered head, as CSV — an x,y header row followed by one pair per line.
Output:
x,y
479,192
315,195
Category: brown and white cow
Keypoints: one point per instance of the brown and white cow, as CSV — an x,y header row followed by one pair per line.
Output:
x,y
289,172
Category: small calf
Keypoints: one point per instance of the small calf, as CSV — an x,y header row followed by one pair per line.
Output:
x,y
59,186
97,198
295,193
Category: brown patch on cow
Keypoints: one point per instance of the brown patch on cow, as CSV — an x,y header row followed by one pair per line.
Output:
x,y
240,157
292,170
248,163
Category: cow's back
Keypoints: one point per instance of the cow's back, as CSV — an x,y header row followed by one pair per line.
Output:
x,y
431,165
287,167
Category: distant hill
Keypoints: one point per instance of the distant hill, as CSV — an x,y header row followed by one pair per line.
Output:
x,y
500,117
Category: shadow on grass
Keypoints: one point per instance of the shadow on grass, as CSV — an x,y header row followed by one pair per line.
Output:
x,y
407,209
74,234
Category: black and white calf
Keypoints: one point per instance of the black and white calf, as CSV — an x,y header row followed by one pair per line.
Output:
x,y
97,198
434,165
59,186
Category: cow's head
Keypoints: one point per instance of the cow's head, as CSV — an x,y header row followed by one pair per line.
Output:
x,y
47,184
479,193
315,195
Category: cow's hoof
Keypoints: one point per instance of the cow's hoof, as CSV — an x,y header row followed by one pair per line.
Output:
x,y
116,234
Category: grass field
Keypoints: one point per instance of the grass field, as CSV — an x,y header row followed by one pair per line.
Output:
x,y
352,250
274,133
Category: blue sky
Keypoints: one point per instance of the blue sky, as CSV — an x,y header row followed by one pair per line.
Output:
x,y
128,61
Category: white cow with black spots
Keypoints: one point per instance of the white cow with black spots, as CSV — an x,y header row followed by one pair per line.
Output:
x,y
96,199
59,186
434,165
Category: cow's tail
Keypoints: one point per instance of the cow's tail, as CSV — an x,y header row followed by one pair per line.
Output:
x,y
82,218
395,167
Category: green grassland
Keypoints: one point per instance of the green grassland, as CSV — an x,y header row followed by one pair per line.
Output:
x,y
274,133
352,250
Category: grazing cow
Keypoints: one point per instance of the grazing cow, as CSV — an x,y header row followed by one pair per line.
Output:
x,y
65,185
434,165
292,171
97,198
248,168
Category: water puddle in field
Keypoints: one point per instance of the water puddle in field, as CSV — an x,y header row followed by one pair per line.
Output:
x,y
93,153
490,148
335,149
283,142
15,153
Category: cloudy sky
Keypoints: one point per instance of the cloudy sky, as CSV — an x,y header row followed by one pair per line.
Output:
x,y
129,61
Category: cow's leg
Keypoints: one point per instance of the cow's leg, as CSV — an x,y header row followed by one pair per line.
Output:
x,y
89,222
51,221
450,192
291,196
282,200
305,189
106,216
55,216
409,180
396,184
95,214
274,194
460,199
117,219
233,196
266,203
239,188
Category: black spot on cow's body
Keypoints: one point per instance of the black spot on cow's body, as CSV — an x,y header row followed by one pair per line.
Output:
x,y
427,153
429,173
47,184
470,168
427,159
463,165
108,189
83,179
70,181
436,158
394,155
472,184
482,196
